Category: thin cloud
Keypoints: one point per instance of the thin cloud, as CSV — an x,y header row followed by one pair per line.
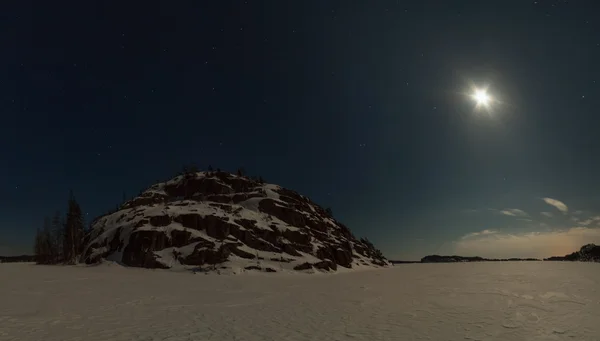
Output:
x,y
480,233
578,212
547,214
559,205
588,222
514,212
531,244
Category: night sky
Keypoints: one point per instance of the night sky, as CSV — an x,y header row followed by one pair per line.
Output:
x,y
363,106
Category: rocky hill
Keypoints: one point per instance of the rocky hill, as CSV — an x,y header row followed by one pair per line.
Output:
x,y
587,253
218,220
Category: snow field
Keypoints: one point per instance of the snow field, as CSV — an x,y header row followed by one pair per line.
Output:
x,y
464,301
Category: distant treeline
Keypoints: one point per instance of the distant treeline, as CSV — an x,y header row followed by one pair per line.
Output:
x,y
458,259
17,259
461,259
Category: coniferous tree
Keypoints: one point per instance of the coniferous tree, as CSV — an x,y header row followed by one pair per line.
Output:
x,y
48,242
73,231
44,246
37,246
57,236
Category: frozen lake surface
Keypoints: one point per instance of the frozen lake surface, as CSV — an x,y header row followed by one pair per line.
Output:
x,y
465,301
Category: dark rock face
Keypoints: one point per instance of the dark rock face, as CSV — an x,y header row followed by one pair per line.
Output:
x,y
162,220
303,266
286,214
205,255
214,218
326,265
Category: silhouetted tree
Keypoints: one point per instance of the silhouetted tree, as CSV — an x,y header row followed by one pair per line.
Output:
x,y
57,236
73,231
210,169
261,180
329,212
37,246
43,246
241,171
49,242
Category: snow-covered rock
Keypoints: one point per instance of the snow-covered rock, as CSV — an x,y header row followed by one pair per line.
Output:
x,y
219,221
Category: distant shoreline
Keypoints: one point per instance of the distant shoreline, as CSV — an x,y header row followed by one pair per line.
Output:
x,y
587,253
17,259
461,259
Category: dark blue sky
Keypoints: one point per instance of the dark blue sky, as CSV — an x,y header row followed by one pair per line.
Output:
x,y
361,105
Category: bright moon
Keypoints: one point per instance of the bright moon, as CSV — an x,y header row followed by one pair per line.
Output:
x,y
481,97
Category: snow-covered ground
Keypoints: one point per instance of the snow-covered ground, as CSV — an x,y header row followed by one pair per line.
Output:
x,y
477,301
